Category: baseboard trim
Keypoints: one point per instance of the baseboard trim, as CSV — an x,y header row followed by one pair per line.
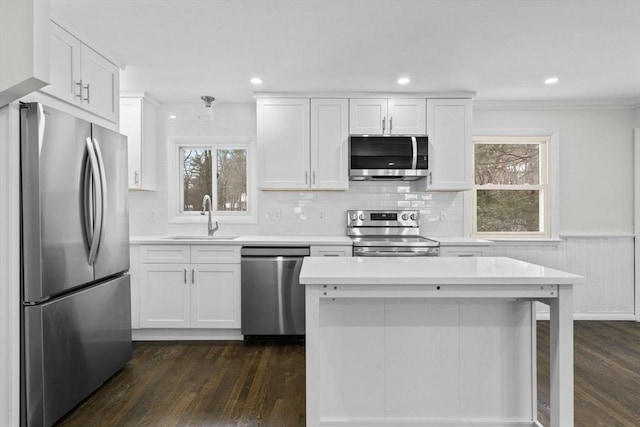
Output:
x,y
595,316
186,335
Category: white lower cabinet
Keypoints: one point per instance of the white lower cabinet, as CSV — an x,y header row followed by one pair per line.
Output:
x,y
465,251
331,251
176,293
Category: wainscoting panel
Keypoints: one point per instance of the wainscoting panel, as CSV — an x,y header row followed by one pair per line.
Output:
x,y
607,263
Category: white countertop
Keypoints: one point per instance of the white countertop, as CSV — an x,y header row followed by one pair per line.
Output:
x,y
460,241
244,240
429,270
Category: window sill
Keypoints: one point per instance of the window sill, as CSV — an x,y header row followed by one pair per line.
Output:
x,y
516,241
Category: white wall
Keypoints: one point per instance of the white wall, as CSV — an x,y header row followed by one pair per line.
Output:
x,y
596,163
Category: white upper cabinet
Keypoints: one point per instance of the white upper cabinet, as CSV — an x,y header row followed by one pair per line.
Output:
x,y
302,143
283,143
329,144
450,155
81,76
381,116
138,123
24,48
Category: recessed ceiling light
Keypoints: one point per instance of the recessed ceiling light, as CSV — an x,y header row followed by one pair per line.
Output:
x,y
404,80
256,80
551,81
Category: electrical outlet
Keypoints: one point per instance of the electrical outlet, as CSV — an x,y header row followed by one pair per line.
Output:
x,y
322,215
273,214
152,215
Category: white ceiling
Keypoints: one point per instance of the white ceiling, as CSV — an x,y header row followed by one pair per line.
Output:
x,y
178,50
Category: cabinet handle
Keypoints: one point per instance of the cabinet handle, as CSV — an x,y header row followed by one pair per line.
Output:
x,y
430,178
314,178
390,124
136,176
88,98
193,276
383,123
79,85
185,276
306,177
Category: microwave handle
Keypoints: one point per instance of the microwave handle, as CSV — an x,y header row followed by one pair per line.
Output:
x,y
414,145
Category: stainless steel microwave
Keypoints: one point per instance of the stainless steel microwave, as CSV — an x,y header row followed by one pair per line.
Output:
x,y
388,157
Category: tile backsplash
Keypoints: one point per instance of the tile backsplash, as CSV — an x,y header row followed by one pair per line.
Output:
x,y
324,212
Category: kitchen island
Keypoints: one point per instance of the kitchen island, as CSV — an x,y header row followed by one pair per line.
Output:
x,y
433,341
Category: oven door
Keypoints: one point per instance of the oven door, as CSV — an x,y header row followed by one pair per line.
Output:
x,y
395,251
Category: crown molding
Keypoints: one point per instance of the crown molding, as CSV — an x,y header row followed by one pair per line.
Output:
x,y
429,95
599,104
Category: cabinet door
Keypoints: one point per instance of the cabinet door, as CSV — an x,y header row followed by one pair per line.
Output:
x,y
165,295
215,296
407,117
329,144
137,122
283,143
131,126
449,130
100,86
64,62
368,116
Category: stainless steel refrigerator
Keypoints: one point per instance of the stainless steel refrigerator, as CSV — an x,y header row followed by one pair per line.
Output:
x,y
76,301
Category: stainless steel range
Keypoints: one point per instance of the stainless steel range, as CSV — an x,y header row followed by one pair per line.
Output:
x,y
388,233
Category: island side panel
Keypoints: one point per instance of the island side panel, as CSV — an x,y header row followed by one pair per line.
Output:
x,y
352,362
496,360
422,358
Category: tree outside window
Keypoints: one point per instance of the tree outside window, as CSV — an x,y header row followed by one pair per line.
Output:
x,y
206,168
511,186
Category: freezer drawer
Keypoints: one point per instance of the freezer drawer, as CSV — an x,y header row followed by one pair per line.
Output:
x,y
72,345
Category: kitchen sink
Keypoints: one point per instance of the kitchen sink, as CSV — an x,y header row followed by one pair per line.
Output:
x,y
202,237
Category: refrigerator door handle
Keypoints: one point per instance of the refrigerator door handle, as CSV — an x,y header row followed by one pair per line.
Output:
x,y
92,202
103,192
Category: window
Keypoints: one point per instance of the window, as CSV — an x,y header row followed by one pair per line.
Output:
x,y
204,169
511,192
220,167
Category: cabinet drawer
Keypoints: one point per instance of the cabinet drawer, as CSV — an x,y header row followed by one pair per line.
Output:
x,y
215,254
165,254
331,251
461,252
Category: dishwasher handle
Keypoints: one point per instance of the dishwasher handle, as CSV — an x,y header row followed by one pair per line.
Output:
x,y
263,251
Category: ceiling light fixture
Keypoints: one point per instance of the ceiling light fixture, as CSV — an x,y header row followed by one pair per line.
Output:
x,y
207,110
404,80
256,80
551,80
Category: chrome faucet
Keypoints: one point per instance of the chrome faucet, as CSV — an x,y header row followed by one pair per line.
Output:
x,y
210,228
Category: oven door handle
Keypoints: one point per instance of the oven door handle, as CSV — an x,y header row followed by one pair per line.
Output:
x,y
414,145
376,252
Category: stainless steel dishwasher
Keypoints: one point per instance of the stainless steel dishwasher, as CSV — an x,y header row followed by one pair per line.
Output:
x,y
272,297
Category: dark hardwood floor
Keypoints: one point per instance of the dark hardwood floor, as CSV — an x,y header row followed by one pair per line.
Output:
x,y
248,384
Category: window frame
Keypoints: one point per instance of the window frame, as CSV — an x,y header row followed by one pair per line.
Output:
x,y
175,195
548,185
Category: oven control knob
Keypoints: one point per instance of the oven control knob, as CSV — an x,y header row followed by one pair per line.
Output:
x,y
405,217
354,217
413,217
361,217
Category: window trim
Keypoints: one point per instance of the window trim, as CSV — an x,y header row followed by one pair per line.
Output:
x,y
176,216
552,216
